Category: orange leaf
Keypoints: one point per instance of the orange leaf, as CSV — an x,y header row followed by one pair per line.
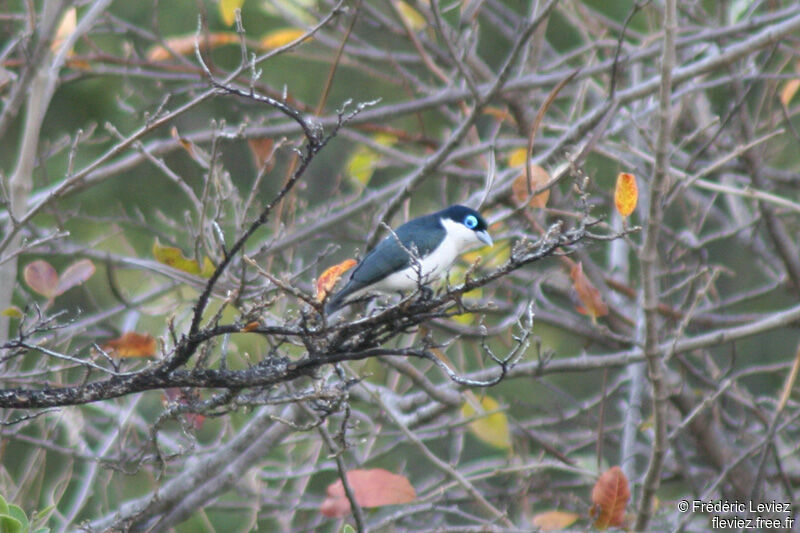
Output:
x,y
250,326
42,278
610,497
132,344
184,45
520,189
789,90
328,279
262,150
372,488
626,194
554,520
592,303
497,113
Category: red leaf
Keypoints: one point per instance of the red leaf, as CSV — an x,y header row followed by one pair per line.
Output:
x,y
42,278
372,488
75,274
610,496
186,397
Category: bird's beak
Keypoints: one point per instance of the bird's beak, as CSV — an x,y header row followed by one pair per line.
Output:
x,y
485,237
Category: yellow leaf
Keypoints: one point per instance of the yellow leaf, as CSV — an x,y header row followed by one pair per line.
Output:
x,y
554,520
184,44
171,256
208,268
517,157
491,429
490,257
12,312
227,10
65,28
411,16
626,194
281,37
364,160
361,164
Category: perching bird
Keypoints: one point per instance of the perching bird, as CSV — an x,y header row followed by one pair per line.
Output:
x,y
435,241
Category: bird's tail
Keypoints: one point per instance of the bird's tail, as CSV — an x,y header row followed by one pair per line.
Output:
x,y
335,303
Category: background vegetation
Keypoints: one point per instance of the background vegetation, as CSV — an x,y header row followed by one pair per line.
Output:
x,y
177,176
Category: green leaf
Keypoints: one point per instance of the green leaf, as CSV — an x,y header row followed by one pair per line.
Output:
x,y
9,524
15,511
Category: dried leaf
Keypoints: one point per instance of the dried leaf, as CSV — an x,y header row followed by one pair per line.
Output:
x,y
610,497
195,152
184,45
626,194
789,90
65,28
375,487
790,87
227,10
497,113
491,429
520,189
554,520
75,274
42,278
282,37
591,302
132,344
262,150
327,280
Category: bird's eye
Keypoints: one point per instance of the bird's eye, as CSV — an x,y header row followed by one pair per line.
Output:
x,y
471,221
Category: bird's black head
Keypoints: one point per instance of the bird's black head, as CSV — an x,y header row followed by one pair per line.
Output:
x,y
470,219
464,215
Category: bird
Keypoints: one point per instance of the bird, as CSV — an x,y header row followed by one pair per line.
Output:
x,y
415,254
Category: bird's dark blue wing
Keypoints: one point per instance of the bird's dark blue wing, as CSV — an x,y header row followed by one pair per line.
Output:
x,y
423,234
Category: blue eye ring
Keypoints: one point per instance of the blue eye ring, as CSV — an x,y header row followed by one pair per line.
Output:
x,y
471,221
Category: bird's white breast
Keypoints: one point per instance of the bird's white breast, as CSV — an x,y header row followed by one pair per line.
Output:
x,y
430,268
